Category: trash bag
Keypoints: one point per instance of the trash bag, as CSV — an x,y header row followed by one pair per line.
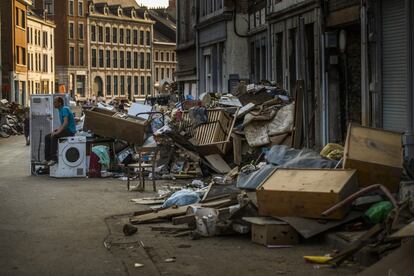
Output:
x,y
182,198
378,212
283,121
333,151
103,153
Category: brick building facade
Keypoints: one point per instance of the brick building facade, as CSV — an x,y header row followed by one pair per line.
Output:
x,y
40,53
70,17
14,50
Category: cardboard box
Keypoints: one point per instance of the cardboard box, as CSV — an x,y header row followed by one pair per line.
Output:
x,y
270,231
305,192
376,154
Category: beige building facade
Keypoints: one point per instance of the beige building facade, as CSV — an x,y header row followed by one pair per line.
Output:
x,y
121,50
40,54
165,62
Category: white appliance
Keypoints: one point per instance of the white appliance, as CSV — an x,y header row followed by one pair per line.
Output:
x,y
71,158
44,118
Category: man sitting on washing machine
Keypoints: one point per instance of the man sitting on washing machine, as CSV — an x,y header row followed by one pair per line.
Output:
x,y
67,128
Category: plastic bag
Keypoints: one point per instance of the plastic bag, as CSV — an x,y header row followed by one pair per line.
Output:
x,y
182,198
378,212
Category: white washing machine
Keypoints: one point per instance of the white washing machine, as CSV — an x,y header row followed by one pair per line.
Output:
x,y
71,158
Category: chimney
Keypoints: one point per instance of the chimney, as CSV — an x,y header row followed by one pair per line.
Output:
x,y
172,4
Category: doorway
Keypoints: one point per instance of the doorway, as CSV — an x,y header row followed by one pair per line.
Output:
x,y
98,86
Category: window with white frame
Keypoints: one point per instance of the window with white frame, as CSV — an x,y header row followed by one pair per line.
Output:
x,y
71,7
107,34
108,58
80,7
81,31
71,30
93,33
135,60
81,56
72,56
101,58
100,33
93,57
108,85
114,35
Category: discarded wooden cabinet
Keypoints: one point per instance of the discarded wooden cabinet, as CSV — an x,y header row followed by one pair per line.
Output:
x,y
105,123
305,192
376,154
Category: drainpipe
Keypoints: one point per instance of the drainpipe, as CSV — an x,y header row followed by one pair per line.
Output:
x,y
197,50
324,79
1,65
409,135
365,90
269,50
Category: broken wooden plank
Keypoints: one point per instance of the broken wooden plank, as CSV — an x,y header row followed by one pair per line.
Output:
x,y
148,216
147,201
169,229
139,213
182,234
163,214
183,219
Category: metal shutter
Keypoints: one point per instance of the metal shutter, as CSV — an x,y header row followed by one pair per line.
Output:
x,y
394,79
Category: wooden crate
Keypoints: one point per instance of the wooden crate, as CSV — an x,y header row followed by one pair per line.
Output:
x,y
305,192
103,123
376,154
270,231
213,136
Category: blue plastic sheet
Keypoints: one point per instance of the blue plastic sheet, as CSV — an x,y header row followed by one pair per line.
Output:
x,y
103,153
182,198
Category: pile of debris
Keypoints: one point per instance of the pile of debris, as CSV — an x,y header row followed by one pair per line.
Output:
x,y
243,155
297,195
12,117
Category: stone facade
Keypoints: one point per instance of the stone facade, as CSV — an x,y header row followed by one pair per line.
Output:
x,y
121,50
258,41
222,47
186,47
165,60
41,54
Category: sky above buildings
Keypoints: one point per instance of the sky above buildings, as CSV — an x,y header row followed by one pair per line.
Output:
x,y
153,3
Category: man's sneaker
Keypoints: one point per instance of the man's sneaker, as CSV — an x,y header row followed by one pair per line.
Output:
x,y
51,163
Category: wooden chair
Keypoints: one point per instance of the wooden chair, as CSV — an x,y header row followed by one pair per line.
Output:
x,y
140,169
